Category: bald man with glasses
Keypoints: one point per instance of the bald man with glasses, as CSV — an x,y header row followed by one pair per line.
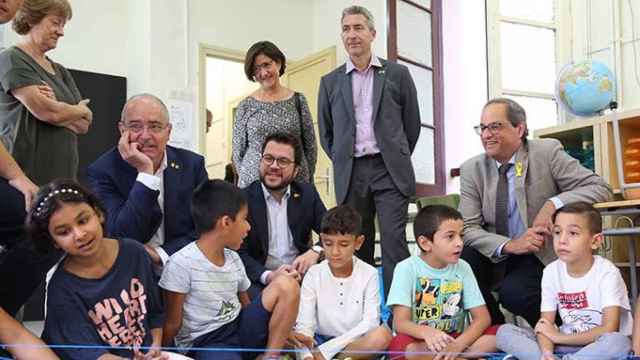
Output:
x,y
145,184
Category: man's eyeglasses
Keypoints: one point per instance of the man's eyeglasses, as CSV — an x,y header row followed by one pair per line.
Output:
x,y
137,128
282,162
493,128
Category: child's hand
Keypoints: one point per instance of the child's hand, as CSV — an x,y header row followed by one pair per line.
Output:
x,y
284,270
317,355
451,352
547,356
152,354
547,329
153,254
436,340
299,341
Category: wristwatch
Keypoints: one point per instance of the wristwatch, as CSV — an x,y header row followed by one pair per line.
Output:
x,y
317,248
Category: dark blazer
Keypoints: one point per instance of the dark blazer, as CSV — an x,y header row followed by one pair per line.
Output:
x,y
132,208
396,122
304,213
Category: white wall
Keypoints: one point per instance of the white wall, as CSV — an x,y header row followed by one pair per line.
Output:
x,y
154,43
465,80
326,25
594,23
95,38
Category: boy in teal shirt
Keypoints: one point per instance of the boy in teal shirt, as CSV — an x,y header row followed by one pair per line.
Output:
x,y
432,294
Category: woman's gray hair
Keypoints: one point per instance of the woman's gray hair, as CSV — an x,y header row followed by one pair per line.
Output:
x,y
359,10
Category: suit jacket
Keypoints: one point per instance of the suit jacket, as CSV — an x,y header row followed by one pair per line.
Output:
x,y
132,208
547,171
396,122
305,210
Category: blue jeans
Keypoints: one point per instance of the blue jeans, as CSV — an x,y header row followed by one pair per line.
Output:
x,y
250,330
523,344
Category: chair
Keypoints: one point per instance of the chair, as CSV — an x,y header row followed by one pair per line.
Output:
x,y
451,200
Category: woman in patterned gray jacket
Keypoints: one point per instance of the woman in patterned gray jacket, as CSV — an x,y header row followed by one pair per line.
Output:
x,y
271,108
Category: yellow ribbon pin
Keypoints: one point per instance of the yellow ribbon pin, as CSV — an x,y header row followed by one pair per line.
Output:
x,y
519,168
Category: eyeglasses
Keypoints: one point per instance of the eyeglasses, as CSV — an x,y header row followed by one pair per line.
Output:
x,y
493,128
154,127
264,65
282,162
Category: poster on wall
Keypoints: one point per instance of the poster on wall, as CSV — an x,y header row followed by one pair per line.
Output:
x,y
181,117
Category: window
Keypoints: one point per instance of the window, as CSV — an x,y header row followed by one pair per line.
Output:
x,y
525,54
414,40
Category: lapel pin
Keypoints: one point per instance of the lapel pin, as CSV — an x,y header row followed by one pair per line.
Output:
x,y
174,165
381,71
519,168
296,195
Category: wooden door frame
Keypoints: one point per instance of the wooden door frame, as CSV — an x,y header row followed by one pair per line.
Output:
x,y
439,188
205,51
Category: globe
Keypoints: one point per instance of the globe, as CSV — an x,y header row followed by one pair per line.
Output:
x,y
585,88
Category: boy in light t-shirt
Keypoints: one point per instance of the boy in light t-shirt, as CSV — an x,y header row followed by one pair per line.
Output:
x,y
586,290
208,308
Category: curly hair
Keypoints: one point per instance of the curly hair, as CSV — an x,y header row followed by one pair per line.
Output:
x,y
33,11
49,199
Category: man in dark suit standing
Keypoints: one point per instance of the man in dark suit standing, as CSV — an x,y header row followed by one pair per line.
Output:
x,y
369,125
146,185
282,213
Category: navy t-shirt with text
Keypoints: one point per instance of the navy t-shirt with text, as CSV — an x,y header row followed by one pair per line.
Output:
x,y
119,309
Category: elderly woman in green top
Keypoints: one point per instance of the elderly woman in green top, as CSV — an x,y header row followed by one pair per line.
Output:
x,y
39,128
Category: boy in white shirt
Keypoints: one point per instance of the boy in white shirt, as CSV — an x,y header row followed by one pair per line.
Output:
x,y
339,314
586,290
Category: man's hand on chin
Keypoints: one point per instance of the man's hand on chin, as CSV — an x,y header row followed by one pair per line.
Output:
x,y
131,153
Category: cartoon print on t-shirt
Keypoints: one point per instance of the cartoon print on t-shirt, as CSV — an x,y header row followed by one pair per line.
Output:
x,y
451,307
578,318
578,321
438,304
227,310
427,291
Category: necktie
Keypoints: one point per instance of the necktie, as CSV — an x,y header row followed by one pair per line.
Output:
x,y
502,201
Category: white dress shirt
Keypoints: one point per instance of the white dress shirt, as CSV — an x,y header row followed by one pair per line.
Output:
x,y
281,248
343,308
156,182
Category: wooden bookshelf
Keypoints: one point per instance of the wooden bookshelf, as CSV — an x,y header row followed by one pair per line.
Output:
x,y
600,130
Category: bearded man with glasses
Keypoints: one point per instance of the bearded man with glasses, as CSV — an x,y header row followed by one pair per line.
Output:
x,y
508,196
282,214
145,184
